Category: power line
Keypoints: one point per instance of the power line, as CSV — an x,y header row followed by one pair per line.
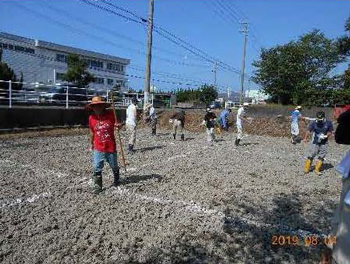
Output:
x,y
236,11
170,75
156,26
104,40
138,21
232,16
217,12
178,41
113,33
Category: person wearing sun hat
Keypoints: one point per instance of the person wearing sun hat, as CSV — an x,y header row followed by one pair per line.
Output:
x,y
295,116
102,140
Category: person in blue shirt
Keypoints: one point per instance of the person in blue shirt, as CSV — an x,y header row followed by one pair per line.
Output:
x,y
321,129
224,118
296,116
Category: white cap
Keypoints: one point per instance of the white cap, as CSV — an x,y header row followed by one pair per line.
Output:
x,y
245,104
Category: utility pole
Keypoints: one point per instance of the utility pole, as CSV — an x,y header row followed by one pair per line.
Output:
x,y
245,33
248,88
214,71
149,53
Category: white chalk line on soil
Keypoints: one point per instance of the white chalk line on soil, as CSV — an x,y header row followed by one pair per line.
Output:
x,y
18,201
193,207
188,206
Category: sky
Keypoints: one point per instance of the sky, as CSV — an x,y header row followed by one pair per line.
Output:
x,y
211,26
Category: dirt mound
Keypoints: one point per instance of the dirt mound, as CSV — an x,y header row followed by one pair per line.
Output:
x,y
278,126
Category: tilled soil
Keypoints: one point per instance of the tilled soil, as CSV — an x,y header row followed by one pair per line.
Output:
x,y
179,202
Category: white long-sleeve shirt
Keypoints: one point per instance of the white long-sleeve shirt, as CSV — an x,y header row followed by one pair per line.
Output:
x,y
152,113
131,115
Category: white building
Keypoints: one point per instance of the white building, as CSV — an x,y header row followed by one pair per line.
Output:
x,y
45,62
257,96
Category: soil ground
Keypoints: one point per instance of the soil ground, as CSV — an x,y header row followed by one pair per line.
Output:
x,y
178,202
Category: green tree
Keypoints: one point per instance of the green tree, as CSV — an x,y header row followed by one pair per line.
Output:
x,y
205,94
7,74
77,71
208,94
291,72
342,96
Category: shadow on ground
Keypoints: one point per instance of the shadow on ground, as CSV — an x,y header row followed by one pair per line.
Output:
x,y
139,178
249,144
244,241
148,149
327,166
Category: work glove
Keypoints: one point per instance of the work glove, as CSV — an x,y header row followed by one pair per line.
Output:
x,y
323,136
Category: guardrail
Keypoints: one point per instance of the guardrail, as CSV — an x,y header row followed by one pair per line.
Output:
x,y
13,93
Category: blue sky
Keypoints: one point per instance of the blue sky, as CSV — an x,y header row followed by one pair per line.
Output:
x,y
205,24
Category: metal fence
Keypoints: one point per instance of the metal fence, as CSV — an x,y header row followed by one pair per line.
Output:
x,y
58,95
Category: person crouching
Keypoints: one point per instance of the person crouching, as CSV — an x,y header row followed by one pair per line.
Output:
x,y
321,130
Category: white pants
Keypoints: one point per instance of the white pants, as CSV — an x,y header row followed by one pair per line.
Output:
x,y
132,132
210,134
239,130
177,125
295,129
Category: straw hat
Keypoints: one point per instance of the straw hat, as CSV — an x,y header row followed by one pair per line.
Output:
x,y
97,100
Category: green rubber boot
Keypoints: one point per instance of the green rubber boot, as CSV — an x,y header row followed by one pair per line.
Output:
x,y
97,182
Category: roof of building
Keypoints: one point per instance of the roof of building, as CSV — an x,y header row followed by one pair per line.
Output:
x,y
63,48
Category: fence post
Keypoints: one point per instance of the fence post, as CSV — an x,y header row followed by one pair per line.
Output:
x,y
67,100
10,93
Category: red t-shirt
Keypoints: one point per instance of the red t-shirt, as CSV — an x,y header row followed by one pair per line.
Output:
x,y
102,127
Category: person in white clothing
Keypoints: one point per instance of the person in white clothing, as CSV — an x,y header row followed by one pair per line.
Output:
x,y
239,123
131,114
152,117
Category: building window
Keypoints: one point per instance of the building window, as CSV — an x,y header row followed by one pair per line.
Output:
x,y
120,83
93,63
115,67
99,80
4,45
96,64
59,76
16,48
29,50
61,57
110,81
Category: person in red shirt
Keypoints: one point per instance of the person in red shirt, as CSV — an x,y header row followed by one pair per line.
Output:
x,y
102,140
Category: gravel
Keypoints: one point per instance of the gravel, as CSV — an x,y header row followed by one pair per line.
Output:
x,y
178,202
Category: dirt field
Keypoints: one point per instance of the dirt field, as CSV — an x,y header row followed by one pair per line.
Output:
x,y
179,202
